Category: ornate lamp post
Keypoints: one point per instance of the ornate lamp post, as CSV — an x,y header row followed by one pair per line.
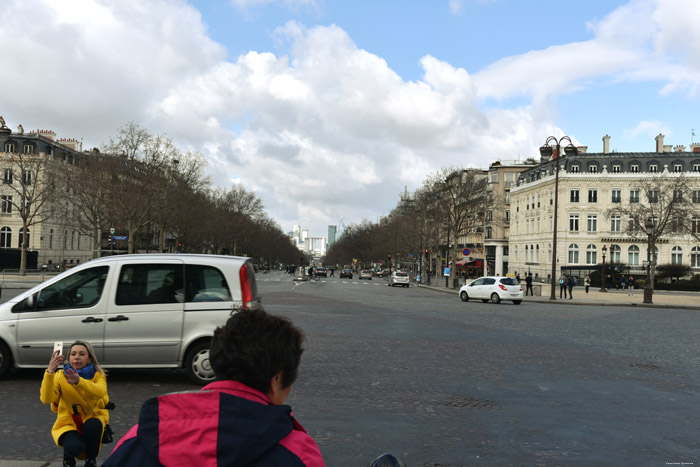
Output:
x,y
648,291
547,151
602,277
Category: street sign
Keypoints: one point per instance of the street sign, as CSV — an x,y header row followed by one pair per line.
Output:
x,y
466,252
120,237
111,231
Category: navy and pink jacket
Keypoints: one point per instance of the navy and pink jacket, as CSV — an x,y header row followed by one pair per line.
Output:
x,y
225,424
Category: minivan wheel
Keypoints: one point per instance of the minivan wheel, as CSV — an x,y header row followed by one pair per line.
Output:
x,y
495,298
197,364
464,296
5,360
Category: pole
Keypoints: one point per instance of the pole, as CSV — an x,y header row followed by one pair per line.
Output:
x,y
602,277
553,295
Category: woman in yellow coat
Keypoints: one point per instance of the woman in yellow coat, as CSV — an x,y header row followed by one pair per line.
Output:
x,y
79,387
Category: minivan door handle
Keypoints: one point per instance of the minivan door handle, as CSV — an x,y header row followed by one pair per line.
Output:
x,y
90,319
118,318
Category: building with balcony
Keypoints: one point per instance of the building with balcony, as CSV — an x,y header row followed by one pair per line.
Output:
x,y
591,185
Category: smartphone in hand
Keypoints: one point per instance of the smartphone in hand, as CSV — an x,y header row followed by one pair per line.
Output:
x,y
58,346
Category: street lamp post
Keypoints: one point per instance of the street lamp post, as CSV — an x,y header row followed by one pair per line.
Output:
x,y
648,291
547,151
602,277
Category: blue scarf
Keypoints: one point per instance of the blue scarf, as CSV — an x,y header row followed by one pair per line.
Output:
x,y
86,372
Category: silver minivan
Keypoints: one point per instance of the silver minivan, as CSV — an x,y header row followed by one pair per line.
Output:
x,y
138,311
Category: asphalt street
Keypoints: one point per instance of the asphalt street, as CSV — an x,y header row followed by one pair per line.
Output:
x,y
439,382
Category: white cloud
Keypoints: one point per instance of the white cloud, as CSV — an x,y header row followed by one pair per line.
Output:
x,y
647,128
456,7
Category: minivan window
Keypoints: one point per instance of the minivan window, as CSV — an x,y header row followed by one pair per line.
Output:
x,y
80,290
142,284
489,281
206,284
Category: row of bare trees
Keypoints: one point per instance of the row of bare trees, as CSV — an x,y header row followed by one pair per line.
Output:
x,y
448,207
146,188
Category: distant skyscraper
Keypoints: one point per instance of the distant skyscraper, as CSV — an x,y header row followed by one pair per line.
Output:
x,y
332,230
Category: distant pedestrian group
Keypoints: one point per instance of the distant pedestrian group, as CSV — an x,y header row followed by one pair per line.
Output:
x,y
566,283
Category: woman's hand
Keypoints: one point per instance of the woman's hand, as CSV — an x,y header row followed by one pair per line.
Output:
x,y
72,376
55,362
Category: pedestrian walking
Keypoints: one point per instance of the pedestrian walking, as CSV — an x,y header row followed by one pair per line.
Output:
x,y
572,283
562,286
517,277
528,285
623,282
332,272
630,285
608,282
587,282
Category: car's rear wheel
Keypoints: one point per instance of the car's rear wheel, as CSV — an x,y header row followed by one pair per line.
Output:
x,y
495,298
5,360
197,364
517,302
464,296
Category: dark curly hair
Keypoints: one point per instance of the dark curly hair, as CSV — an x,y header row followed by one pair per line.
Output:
x,y
253,346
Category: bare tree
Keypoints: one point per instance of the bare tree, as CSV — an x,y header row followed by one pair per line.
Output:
x,y
664,203
31,194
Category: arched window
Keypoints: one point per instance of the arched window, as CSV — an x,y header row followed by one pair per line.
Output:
x,y
677,255
21,237
615,254
695,257
6,237
537,257
527,253
573,253
51,239
591,254
633,255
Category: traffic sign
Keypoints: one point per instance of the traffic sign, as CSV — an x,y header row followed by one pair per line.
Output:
x,y
466,252
111,231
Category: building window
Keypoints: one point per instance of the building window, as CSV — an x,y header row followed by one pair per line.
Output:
x,y
489,233
632,225
677,168
5,237
634,196
538,200
507,214
615,253
28,149
634,168
696,167
9,147
653,168
494,177
615,223
616,168
678,196
591,254
72,240
677,255
592,222
507,197
527,254
573,253
51,239
7,177
593,195
593,168
653,196
633,255
575,168
695,257
695,224
26,177
696,196
574,196
573,222
489,216
21,237
6,204
616,196
677,225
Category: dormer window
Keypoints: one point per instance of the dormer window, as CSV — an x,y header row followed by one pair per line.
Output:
x,y
653,168
616,168
575,168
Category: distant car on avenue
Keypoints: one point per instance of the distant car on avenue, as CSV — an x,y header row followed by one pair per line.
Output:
x,y
493,288
400,278
346,273
366,274
321,272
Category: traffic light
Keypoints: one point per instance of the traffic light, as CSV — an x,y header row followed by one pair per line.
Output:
x,y
427,253
388,256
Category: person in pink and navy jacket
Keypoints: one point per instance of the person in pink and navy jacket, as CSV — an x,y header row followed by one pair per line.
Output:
x,y
238,420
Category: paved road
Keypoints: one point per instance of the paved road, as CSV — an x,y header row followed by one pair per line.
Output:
x,y
441,382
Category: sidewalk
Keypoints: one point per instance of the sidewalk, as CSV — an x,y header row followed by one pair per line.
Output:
x,y
594,297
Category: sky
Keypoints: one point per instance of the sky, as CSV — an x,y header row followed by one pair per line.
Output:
x,y
330,109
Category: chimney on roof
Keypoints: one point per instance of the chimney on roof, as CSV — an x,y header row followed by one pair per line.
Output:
x,y
606,144
695,147
659,143
582,149
679,148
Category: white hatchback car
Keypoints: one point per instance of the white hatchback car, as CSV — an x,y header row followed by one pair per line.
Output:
x,y
138,311
399,278
493,288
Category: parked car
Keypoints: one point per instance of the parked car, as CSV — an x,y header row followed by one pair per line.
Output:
x,y
366,274
493,288
381,272
138,311
346,273
399,278
321,272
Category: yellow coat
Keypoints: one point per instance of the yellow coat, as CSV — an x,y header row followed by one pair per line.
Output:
x,y
90,394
